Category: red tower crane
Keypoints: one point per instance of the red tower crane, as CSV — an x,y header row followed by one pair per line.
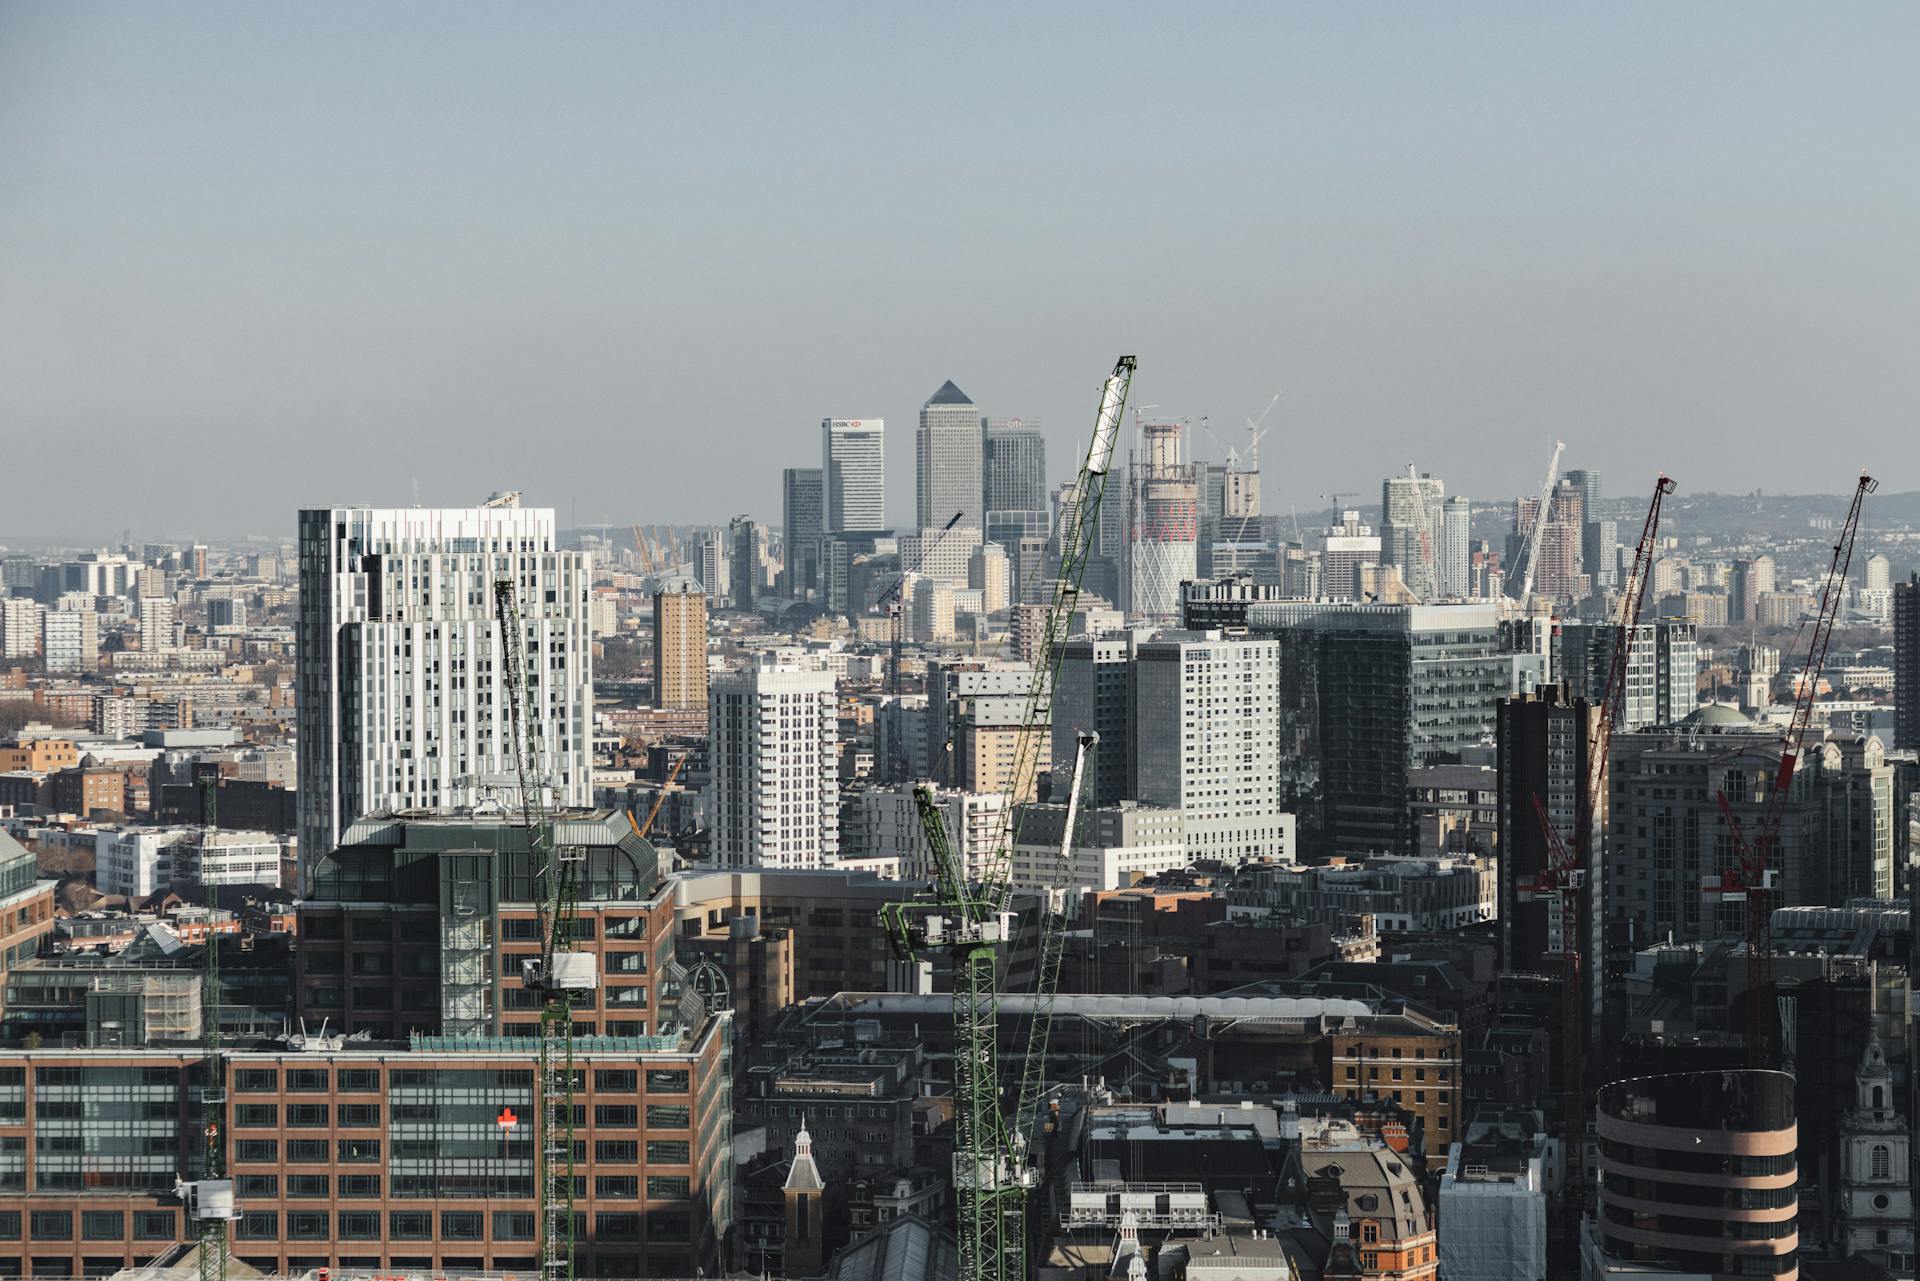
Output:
x,y
1564,879
1752,879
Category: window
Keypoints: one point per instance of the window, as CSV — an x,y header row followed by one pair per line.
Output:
x,y
308,1225
616,1115
513,1225
353,1151
668,1187
256,1080
308,1185
668,1116
667,1151
308,1080
666,1080
256,1116
460,1225
307,1151
327,995
9,1225
256,1151
372,930
616,1151
103,1225
1880,1162
410,1225
1369,1232
359,1185
358,1080
621,1187
153,1225
53,1225
621,1081
359,1225
616,1227
257,1185
359,1114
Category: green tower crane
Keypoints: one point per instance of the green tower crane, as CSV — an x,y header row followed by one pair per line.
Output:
x,y
969,920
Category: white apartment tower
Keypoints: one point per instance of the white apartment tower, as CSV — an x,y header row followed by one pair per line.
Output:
x,y
401,695
772,736
1206,740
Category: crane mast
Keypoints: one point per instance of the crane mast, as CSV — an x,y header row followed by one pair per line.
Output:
x,y
559,971
1752,879
969,920
1565,878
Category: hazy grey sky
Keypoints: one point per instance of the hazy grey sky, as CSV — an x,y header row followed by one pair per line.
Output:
x,y
259,256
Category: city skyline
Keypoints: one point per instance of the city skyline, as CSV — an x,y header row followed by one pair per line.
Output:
x,y
243,231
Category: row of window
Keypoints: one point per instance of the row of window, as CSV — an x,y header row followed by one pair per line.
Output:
x,y
454,1225
95,1225
266,1116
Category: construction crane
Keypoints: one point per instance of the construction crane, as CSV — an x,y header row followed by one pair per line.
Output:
x,y
1531,548
892,598
641,545
969,920
641,829
1752,879
559,972
1563,881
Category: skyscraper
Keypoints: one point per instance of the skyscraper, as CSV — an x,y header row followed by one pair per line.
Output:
x,y
1347,546
1410,529
401,682
1663,668
802,522
853,475
1456,548
1014,455
772,734
1163,525
1906,662
948,475
746,554
1586,482
1206,740
680,648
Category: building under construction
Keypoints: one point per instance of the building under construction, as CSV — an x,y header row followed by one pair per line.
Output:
x,y
1163,525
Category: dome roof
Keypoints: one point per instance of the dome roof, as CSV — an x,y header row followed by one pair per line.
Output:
x,y
1718,716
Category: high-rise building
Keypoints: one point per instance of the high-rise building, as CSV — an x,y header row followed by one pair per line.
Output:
x,y
853,475
156,624
948,476
1557,544
716,564
1456,548
1094,692
1410,530
1906,663
680,648
1348,546
773,744
1748,582
802,523
226,611
1206,740
1014,455
990,572
402,700
19,627
746,556
1663,669
1369,691
1697,1178
70,639
1163,526
1585,481
1666,836
1544,736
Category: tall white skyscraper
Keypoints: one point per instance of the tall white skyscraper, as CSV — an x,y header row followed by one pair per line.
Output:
x,y
947,458
402,695
772,735
853,473
1456,548
156,624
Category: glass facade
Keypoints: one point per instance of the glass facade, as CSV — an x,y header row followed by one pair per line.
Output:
x,y
101,1129
445,1137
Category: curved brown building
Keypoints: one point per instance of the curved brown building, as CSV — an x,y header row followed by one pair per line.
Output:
x,y
1697,1177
